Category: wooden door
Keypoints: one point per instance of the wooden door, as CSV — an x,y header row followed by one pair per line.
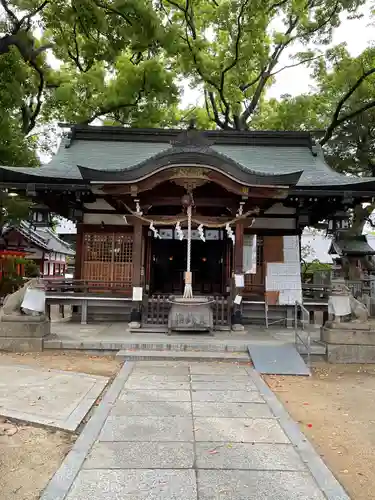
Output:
x,y
107,261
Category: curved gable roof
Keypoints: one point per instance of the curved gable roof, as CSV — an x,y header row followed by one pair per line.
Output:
x,y
117,149
193,156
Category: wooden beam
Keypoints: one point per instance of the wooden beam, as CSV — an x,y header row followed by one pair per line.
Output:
x,y
79,252
238,248
199,202
137,253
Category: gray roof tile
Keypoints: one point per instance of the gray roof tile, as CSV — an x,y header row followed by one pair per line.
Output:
x,y
272,160
45,238
123,154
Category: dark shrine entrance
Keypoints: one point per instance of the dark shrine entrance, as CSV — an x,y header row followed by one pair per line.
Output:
x,y
210,265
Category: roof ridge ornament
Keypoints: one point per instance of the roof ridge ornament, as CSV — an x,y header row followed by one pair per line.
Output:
x,y
192,140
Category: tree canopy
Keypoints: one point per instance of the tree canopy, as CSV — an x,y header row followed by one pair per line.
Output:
x,y
124,62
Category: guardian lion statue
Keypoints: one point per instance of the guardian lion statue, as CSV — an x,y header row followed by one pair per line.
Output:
x,y
12,306
359,311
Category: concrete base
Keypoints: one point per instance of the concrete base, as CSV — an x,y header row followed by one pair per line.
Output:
x,y
349,342
238,328
340,353
134,325
23,336
190,315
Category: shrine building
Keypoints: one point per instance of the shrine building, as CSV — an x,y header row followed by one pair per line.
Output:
x,y
253,193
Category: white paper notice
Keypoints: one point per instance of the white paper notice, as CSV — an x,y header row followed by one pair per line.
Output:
x,y
239,280
250,254
34,300
237,299
137,293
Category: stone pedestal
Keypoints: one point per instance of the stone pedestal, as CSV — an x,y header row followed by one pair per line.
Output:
x,y
23,333
350,342
190,315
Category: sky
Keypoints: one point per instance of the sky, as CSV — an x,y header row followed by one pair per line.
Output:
x,y
357,33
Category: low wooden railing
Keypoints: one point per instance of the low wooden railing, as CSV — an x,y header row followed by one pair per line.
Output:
x,y
75,286
157,309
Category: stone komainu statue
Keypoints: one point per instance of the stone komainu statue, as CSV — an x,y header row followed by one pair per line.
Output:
x,y
359,311
12,305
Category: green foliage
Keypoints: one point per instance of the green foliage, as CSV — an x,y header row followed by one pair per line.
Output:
x,y
233,48
31,269
343,108
13,209
308,269
123,62
15,147
10,280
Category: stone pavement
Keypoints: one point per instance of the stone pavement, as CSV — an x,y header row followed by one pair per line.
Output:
x,y
189,431
53,398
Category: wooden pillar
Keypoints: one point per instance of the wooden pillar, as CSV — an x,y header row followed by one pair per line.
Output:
x,y
238,248
79,252
238,269
137,252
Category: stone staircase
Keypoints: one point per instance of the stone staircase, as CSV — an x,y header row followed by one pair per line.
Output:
x,y
198,347
253,313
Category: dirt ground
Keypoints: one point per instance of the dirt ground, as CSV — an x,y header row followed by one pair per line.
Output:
x,y
29,456
336,410
106,366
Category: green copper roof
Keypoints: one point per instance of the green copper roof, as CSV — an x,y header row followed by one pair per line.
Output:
x,y
115,149
283,159
351,245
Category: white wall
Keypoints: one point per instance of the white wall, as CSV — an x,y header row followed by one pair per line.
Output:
x,y
285,277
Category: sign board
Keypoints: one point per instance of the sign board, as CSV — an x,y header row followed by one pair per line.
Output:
x,y
137,293
239,280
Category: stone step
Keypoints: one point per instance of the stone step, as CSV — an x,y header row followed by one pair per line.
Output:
x,y
171,346
126,355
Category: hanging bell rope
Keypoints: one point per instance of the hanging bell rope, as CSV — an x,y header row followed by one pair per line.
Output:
x,y
188,290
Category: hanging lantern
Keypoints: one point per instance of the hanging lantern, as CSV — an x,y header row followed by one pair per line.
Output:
x,y
40,215
338,221
75,214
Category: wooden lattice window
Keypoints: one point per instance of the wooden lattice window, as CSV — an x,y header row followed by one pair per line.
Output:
x,y
255,282
107,258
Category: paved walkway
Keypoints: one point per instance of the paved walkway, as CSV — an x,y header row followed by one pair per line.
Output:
x,y
189,431
53,398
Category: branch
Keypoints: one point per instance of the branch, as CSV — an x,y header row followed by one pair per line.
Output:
x,y
38,107
76,58
188,16
215,111
11,14
234,61
36,11
276,5
210,117
336,121
288,66
266,72
115,107
112,10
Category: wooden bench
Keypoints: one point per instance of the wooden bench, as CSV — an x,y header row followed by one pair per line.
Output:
x,y
75,299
